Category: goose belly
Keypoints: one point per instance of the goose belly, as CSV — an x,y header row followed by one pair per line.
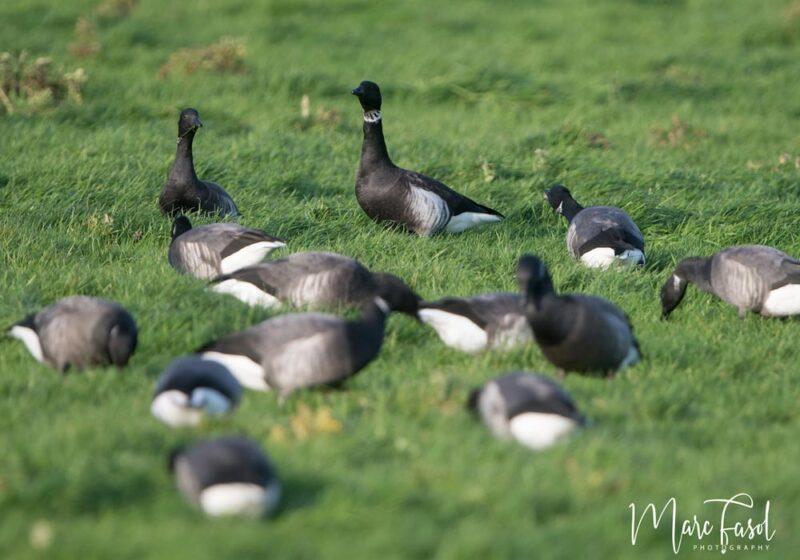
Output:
x,y
537,430
782,302
172,408
455,330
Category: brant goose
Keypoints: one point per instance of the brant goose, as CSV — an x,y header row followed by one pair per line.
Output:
x,y
599,235
530,408
750,277
227,476
78,332
390,194
184,192
191,388
473,323
208,251
575,332
316,280
301,350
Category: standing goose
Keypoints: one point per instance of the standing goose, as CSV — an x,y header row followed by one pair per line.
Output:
x,y
599,235
530,408
390,194
184,192
208,251
316,280
575,332
191,388
472,324
78,332
300,350
750,277
227,476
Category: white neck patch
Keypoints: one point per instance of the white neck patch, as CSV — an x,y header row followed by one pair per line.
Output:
x,y
560,209
372,116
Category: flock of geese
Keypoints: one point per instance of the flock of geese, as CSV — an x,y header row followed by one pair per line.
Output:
x,y
290,352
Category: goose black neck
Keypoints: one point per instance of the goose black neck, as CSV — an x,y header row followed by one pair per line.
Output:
x,y
570,209
373,149
183,167
696,270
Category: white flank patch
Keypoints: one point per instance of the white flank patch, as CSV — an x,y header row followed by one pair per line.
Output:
x,y
210,401
240,498
248,256
515,332
172,408
455,330
602,257
783,301
382,305
631,257
30,339
468,220
249,373
246,292
676,282
372,116
429,210
538,430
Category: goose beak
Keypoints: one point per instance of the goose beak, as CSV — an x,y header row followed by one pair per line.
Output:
x,y
357,91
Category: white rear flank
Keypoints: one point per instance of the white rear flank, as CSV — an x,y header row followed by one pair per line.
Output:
x,y
515,331
248,256
249,373
172,408
783,301
466,220
538,430
429,210
240,498
455,330
211,401
602,257
247,293
30,339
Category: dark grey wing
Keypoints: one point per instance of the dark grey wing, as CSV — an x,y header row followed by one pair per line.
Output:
x,y
189,373
219,201
259,276
596,225
774,267
246,343
221,461
456,202
238,238
196,254
525,392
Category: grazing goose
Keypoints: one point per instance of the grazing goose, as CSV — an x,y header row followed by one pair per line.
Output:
x,y
471,324
530,408
227,476
390,194
208,251
191,388
300,350
750,277
316,280
599,235
184,192
78,332
575,332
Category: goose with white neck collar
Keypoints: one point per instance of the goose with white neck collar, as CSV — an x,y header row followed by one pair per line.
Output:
x,y
184,192
392,195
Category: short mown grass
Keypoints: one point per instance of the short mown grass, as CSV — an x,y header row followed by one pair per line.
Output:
x,y
678,111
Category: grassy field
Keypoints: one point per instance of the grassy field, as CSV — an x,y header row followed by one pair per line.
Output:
x,y
678,111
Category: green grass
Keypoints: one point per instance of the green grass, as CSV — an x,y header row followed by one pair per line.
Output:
x,y
519,87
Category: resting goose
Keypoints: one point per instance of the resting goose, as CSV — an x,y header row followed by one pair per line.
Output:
x,y
598,236
474,323
316,280
532,409
396,196
207,251
753,278
299,350
78,332
191,388
227,476
184,192
577,333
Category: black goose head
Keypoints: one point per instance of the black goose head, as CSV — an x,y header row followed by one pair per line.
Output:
x,y
180,226
369,95
397,294
533,279
674,288
189,122
560,200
